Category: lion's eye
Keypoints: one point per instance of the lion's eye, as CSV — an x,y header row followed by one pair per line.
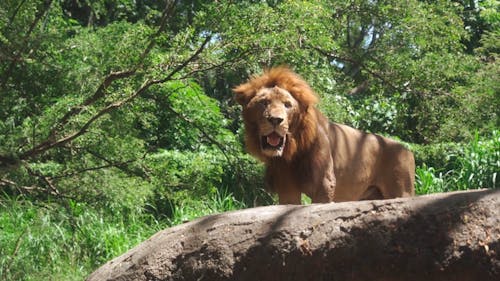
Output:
x,y
264,102
288,104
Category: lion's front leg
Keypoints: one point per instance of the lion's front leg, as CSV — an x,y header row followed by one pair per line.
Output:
x,y
281,181
290,196
324,191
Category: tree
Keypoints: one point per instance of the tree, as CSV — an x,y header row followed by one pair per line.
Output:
x,y
70,103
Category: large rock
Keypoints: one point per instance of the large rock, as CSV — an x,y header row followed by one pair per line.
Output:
x,y
453,236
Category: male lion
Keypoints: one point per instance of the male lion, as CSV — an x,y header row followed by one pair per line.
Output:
x,y
305,153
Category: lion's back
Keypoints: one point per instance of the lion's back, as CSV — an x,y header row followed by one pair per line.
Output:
x,y
363,159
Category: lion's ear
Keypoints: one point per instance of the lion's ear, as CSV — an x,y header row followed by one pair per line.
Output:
x,y
243,94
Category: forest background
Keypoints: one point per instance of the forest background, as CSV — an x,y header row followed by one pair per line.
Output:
x,y
117,118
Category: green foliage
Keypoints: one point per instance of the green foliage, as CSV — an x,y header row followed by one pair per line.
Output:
x,y
117,117
185,118
441,155
380,114
428,180
480,166
47,242
474,165
184,178
339,108
186,175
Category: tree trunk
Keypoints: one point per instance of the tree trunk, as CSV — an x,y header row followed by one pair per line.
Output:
x,y
453,236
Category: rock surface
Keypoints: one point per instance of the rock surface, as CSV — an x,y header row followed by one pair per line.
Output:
x,y
449,236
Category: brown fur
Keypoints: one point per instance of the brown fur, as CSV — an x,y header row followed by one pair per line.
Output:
x,y
305,153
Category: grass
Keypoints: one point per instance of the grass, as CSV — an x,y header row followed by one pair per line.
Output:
x,y
481,164
35,244
52,242
220,201
477,167
42,242
428,180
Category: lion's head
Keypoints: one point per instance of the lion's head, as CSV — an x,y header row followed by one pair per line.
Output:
x,y
278,112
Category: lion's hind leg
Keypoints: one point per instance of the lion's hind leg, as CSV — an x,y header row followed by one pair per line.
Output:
x,y
400,183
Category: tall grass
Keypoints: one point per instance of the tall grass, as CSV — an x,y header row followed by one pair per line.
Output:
x,y
428,180
48,241
220,201
35,244
480,166
476,167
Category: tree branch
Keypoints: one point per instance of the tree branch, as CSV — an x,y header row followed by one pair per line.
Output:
x,y
361,65
202,131
14,15
110,78
179,67
22,189
166,14
50,143
113,164
227,63
48,182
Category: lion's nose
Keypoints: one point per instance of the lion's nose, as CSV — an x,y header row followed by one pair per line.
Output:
x,y
275,120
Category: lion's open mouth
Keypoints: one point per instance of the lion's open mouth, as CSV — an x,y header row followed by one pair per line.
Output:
x,y
273,141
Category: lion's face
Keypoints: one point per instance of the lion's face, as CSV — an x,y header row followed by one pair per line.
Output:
x,y
272,110
279,114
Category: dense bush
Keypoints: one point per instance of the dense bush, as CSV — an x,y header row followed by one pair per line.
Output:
x,y
443,155
183,178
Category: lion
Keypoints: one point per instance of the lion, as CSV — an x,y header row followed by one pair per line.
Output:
x,y
305,153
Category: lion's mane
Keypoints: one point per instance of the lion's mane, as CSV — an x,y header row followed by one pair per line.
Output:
x,y
303,132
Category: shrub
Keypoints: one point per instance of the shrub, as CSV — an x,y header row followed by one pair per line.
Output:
x,y
480,165
181,178
442,156
447,167
428,180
